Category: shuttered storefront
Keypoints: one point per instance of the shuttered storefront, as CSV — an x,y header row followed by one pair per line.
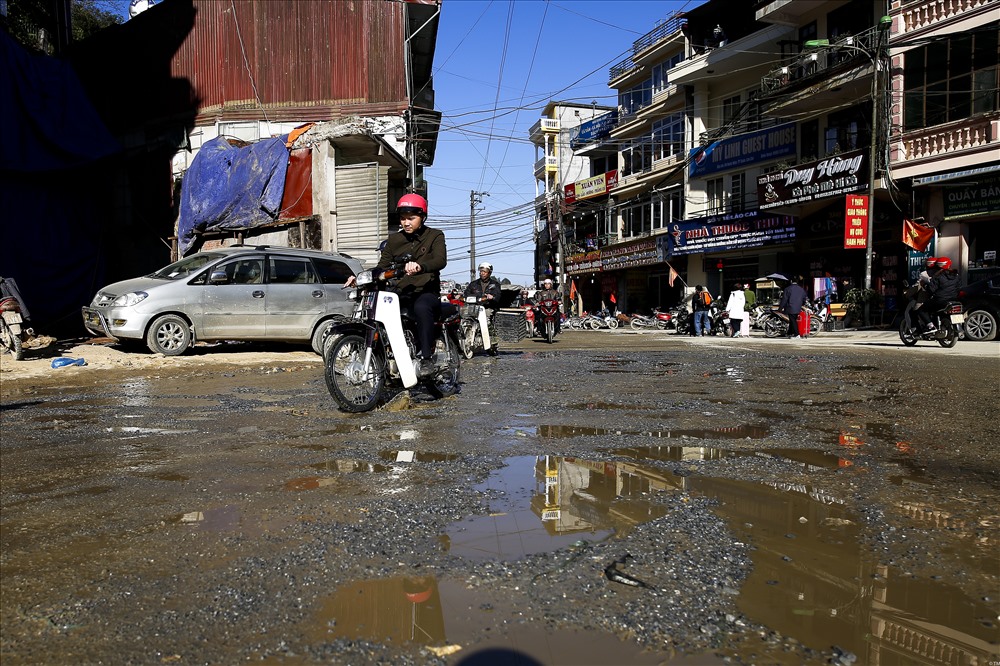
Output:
x,y
362,219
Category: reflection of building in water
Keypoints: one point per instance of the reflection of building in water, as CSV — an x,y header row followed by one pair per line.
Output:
x,y
398,610
811,578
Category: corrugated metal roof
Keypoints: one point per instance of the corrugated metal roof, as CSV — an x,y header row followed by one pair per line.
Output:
x,y
298,60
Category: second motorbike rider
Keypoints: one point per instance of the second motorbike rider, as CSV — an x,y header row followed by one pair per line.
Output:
x,y
547,292
420,288
487,291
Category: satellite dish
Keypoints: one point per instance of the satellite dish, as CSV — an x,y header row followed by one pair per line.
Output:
x,y
136,7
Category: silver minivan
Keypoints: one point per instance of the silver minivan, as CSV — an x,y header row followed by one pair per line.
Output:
x,y
232,293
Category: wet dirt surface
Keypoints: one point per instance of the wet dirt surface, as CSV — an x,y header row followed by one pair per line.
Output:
x,y
613,498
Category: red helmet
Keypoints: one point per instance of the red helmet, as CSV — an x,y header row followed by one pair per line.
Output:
x,y
931,262
943,262
412,203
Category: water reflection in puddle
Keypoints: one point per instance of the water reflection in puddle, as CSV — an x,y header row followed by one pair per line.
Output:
x,y
811,580
447,617
737,432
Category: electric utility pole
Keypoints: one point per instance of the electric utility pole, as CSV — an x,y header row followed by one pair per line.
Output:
x,y
475,198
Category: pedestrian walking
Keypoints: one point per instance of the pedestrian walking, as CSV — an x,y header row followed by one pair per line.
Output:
x,y
792,299
702,303
735,307
750,300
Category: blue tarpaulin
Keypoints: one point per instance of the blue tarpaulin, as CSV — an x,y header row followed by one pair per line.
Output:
x,y
230,188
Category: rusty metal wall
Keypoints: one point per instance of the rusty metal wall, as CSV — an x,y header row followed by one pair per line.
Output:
x,y
309,59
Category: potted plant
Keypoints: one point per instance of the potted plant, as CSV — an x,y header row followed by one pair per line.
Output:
x,y
856,299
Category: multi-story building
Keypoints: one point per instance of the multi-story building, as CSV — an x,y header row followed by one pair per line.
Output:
x,y
363,70
944,150
793,138
556,164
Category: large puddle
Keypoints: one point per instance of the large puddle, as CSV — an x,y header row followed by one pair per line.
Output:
x,y
811,579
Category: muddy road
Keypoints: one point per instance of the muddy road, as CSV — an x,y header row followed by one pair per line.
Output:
x,y
614,498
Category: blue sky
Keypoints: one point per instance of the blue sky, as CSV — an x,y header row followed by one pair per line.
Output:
x,y
497,64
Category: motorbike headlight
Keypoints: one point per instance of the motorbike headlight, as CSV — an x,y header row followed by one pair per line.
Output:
x,y
130,299
364,278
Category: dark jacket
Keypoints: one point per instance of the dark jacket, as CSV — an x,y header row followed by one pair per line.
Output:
x,y
491,287
944,286
426,246
792,299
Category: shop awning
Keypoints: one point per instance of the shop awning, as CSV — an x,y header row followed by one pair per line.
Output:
x,y
955,175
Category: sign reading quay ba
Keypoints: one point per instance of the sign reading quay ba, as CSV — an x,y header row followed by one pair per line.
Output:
x,y
830,177
734,231
856,222
591,187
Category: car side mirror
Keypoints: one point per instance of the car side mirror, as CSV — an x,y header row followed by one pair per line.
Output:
x,y
218,277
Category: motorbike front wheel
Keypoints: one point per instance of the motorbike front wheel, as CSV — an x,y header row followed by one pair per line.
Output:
x,y
444,382
906,334
354,388
10,342
468,341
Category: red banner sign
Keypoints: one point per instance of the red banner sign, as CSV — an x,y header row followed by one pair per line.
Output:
x,y
856,222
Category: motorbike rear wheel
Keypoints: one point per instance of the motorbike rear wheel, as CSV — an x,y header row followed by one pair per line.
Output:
x,y
444,382
637,323
353,389
815,325
10,342
906,334
950,339
775,327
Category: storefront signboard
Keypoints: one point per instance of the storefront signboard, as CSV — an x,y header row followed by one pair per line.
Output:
x,y
966,200
830,177
594,129
589,262
738,151
856,222
629,255
591,187
735,231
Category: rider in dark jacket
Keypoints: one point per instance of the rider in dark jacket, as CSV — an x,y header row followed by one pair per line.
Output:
x,y
943,287
486,289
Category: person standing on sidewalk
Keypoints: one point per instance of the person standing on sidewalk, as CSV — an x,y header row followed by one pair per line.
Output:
x,y
702,303
735,306
792,300
750,298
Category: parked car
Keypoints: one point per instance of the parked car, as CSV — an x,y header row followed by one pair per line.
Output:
x,y
981,301
233,293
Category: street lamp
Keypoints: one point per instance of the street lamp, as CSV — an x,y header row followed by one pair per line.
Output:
x,y
875,54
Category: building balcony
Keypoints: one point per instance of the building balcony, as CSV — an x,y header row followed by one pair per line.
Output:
x,y
786,12
644,48
961,144
548,164
925,14
754,50
822,62
541,128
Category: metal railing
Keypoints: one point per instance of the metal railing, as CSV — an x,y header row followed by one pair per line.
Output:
x,y
663,30
808,63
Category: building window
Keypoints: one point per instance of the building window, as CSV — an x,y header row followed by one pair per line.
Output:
x,y
635,98
809,141
731,111
716,193
843,132
951,79
737,192
668,137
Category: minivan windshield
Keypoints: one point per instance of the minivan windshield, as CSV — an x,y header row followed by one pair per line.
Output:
x,y
186,266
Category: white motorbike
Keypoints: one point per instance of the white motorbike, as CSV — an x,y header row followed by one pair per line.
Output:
x,y
475,334
15,329
364,356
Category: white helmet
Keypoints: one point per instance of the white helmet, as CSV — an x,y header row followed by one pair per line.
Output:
x,y
548,281
488,266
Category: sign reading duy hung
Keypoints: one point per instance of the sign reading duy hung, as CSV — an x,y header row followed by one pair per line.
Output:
x,y
591,187
965,200
749,148
735,231
829,177
856,221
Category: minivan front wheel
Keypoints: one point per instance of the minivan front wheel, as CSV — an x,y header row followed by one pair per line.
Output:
x,y
169,335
